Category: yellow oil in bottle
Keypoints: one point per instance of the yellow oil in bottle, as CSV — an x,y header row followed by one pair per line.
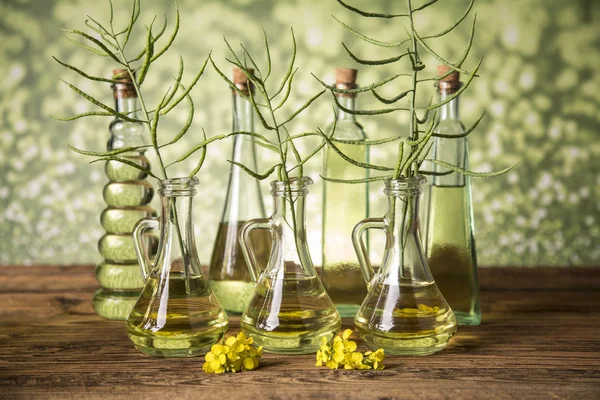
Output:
x,y
228,272
413,319
451,252
168,321
290,314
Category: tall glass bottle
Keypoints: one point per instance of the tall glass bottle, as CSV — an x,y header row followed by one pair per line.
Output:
x,y
344,204
449,230
228,272
127,196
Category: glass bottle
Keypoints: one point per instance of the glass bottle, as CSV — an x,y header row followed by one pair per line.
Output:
x,y
228,273
177,314
127,196
449,230
404,311
343,204
290,311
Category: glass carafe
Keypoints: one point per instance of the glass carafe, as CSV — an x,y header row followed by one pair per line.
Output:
x,y
404,311
290,312
228,273
177,314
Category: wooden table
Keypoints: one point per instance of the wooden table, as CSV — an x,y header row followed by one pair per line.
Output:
x,y
540,338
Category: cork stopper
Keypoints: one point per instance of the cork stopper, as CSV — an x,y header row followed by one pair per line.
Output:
x,y
450,83
345,78
241,81
124,89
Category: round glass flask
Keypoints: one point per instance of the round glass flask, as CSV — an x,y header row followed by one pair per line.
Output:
x,y
177,314
404,311
290,311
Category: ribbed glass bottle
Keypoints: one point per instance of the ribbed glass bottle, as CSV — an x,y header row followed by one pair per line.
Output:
x,y
449,230
344,204
127,195
228,272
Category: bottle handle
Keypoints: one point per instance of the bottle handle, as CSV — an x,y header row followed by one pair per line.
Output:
x,y
138,243
360,248
244,236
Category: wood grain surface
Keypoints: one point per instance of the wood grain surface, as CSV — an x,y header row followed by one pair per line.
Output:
x,y
540,338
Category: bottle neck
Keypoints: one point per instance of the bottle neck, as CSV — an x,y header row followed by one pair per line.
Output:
x,y
448,111
244,198
348,103
127,105
243,114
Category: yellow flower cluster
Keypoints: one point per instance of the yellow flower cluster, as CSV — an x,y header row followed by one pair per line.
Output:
x,y
232,355
342,352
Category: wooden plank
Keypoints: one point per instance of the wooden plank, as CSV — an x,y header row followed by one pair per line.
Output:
x,y
539,339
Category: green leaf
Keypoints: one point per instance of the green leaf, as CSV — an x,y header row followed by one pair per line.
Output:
x,y
356,181
96,42
202,158
135,13
177,82
303,107
226,79
85,114
370,14
425,5
99,104
290,67
368,39
313,153
350,160
361,89
268,51
467,172
187,91
262,119
393,99
112,14
86,47
469,44
368,112
287,91
147,55
128,162
247,54
433,173
459,91
446,31
373,62
80,72
173,35
438,57
99,29
187,124
258,176
464,134
107,153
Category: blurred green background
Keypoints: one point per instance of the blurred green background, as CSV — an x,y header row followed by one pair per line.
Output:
x,y
539,86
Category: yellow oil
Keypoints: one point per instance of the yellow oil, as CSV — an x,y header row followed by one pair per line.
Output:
x,y
290,315
228,273
406,319
168,322
451,252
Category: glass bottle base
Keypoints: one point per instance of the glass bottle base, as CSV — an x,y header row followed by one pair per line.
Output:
x,y
290,343
404,345
114,305
347,310
172,347
463,318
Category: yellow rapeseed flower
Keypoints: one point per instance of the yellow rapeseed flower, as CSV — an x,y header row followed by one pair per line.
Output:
x,y
233,354
341,352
